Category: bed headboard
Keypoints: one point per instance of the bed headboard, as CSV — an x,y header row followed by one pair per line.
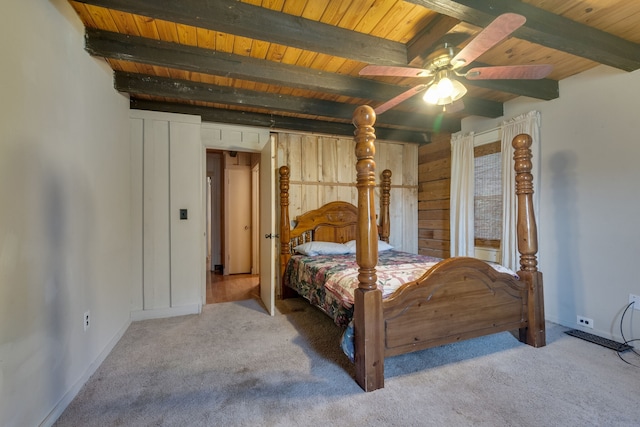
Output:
x,y
333,222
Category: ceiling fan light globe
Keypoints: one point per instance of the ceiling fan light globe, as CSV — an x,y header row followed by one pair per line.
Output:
x,y
459,90
445,88
444,92
431,95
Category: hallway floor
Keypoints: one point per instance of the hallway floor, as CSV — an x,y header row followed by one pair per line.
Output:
x,y
235,287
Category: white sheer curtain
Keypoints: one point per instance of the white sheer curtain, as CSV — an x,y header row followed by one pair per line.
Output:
x,y
462,192
528,123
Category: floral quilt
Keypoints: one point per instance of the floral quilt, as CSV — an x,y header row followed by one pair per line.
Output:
x,y
328,281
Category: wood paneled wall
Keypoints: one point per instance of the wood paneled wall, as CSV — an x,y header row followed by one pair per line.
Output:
x,y
323,170
434,177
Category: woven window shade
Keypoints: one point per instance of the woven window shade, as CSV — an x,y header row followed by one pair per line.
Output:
x,y
488,197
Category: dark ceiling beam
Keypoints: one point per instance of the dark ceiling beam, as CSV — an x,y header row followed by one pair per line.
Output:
x,y
195,91
428,38
190,58
277,122
246,20
546,29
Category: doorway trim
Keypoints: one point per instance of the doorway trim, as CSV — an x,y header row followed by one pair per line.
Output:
x,y
225,137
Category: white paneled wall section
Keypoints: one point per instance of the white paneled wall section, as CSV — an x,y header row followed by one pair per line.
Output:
x,y
167,176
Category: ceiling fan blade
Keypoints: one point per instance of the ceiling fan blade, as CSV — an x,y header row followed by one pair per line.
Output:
x,y
400,98
528,72
388,70
498,30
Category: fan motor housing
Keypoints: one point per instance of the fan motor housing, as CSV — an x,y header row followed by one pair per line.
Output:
x,y
440,58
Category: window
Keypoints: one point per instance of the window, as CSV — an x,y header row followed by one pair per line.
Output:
x,y
488,196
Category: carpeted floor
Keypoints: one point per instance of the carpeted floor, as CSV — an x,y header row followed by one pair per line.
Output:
x,y
233,365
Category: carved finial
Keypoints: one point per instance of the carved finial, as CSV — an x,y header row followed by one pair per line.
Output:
x,y
385,187
284,184
385,200
522,141
522,163
364,115
363,119
284,215
522,154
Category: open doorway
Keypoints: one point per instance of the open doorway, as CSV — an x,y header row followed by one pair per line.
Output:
x,y
260,144
231,221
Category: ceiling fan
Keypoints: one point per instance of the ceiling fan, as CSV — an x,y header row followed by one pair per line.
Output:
x,y
443,67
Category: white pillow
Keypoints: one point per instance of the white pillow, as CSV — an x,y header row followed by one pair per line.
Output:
x,y
382,245
322,248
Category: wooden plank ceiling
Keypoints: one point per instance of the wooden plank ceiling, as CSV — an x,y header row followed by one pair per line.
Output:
x,y
293,64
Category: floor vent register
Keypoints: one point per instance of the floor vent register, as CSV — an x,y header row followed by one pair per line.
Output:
x,y
613,345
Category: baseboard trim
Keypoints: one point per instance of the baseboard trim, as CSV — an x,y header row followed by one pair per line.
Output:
x,y
159,313
68,397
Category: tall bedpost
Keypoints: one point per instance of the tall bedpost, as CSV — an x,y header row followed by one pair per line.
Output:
x,y
285,248
385,196
367,316
527,231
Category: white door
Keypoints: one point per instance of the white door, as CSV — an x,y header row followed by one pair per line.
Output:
x,y
238,220
268,226
255,219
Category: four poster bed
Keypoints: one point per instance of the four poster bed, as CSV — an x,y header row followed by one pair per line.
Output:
x,y
450,300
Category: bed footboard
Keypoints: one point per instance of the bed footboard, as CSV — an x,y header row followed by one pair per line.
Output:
x,y
458,299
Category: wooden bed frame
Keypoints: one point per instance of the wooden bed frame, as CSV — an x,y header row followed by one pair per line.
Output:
x,y
459,298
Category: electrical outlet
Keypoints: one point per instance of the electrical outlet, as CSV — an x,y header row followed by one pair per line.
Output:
x,y
585,321
86,321
635,299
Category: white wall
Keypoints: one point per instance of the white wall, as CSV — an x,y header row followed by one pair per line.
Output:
x,y
64,211
589,205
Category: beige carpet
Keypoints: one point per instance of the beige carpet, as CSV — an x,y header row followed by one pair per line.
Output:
x,y
235,366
